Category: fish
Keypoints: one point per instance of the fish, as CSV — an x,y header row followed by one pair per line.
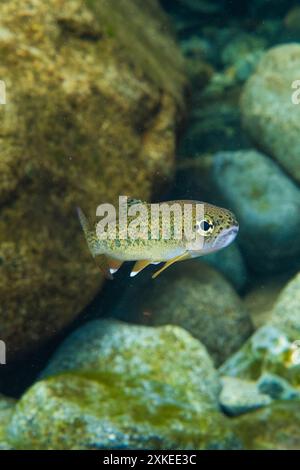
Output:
x,y
213,228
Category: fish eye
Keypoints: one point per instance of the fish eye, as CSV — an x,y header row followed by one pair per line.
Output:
x,y
206,226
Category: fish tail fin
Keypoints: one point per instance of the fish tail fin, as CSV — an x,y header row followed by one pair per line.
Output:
x,y
88,233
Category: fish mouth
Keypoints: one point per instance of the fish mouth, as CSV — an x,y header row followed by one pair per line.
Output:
x,y
227,236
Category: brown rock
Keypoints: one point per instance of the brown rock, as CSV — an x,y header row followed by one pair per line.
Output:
x,y
93,95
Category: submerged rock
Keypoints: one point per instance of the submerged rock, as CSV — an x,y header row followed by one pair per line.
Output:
x,y
214,124
275,427
286,311
119,386
277,387
261,298
240,46
292,20
265,200
268,350
6,410
269,114
267,205
241,396
231,264
195,297
80,127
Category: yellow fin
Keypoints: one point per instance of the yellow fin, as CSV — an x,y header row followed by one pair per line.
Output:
x,y
182,257
139,266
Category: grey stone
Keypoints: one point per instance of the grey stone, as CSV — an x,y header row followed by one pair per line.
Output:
x,y
269,115
267,205
241,396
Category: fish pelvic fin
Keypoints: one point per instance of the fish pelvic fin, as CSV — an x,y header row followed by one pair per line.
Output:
x,y
113,264
139,266
171,261
89,234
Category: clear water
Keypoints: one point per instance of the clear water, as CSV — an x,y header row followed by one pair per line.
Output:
x,y
182,99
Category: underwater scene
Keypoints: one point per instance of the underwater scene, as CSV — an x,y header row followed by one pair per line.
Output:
x,y
150,225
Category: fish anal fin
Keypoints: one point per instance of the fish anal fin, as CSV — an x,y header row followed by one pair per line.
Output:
x,y
139,266
113,264
171,261
103,264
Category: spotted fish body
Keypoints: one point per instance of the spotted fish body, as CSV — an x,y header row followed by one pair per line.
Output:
x,y
218,225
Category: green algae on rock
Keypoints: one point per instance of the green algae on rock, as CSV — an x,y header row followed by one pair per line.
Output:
x,y
286,311
195,297
6,410
269,114
115,385
268,350
275,427
93,98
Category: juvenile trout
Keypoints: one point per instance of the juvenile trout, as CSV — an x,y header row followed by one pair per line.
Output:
x,y
214,228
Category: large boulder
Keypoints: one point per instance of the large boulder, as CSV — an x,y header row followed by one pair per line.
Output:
x,y
112,385
267,205
93,94
269,114
196,297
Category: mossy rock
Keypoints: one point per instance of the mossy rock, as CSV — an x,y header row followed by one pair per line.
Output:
x,y
93,96
286,311
119,386
275,427
268,350
274,348
7,406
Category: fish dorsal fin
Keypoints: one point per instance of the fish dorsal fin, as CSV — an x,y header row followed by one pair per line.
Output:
x,y
131,201
181,257
139,266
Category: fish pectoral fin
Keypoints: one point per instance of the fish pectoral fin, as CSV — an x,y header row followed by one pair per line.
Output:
x,y
139,266
182,257
108,266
